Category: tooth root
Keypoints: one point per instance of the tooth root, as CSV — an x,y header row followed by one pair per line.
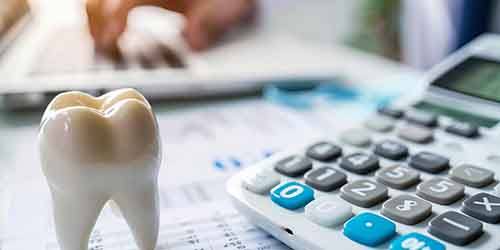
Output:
x,y
75,216
139,207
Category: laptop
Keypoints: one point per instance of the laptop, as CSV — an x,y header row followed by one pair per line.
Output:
x,y
53,52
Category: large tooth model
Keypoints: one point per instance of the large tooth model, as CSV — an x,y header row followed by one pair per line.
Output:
x,y
93,150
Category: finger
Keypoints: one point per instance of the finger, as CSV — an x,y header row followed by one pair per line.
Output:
x,y
107,21
209,20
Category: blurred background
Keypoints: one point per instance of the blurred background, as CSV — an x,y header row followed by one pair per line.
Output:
x,y
45,45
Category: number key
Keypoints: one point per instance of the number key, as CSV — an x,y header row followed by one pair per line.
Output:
x,y
293,166
391,150
441,191
416,241
364,193
429,162
398,177
472,176
359,163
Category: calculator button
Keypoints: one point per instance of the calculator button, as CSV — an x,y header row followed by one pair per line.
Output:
x,y
293,166
416,241
391,150
391,112
441,191
429,162
324,151
421,118
416,134
364,193
407,209
356,137
483,206
328,212
369,229
325,179
497,190
260,181
463,129
379,124
472,176
398,177
360,163
455,228
292,195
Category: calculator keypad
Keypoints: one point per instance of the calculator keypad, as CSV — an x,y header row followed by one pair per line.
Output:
x,y
373,164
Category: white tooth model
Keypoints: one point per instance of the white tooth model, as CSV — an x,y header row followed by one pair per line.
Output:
x,y
94,150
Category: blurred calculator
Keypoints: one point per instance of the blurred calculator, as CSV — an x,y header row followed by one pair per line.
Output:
x,y
420,174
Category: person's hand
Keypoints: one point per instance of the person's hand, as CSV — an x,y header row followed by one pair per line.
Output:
x,y
206,20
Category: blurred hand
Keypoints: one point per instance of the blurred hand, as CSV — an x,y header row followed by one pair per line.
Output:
x,y
206,20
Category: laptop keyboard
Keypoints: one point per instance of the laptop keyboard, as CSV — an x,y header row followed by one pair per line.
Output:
x,y
139,51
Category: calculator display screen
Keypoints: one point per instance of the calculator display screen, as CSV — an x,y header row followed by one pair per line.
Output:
x,y
475,76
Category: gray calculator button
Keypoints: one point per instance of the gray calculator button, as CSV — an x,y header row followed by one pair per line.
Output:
x,y
391,150
364,193
429,162
328,212
325,179
455,228
324,151
379,124
398,177
463,129
260,181
416,134
472,176
407,209
421,118
356,137
391,112
293,166
441,191
497,190
360,163
483,206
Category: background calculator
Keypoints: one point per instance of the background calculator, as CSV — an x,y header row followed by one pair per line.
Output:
x,y
420,174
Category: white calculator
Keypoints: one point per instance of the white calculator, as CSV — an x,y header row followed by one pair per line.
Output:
x,y
420,174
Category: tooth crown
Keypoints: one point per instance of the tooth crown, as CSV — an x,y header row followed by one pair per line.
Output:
x,y
97,149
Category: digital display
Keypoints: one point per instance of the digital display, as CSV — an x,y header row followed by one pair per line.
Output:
x,y
475,77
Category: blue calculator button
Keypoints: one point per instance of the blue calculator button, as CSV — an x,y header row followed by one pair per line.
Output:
x,y
369,229
416,241
292,195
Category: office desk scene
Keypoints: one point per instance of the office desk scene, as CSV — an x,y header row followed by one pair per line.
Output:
x,y
189,125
